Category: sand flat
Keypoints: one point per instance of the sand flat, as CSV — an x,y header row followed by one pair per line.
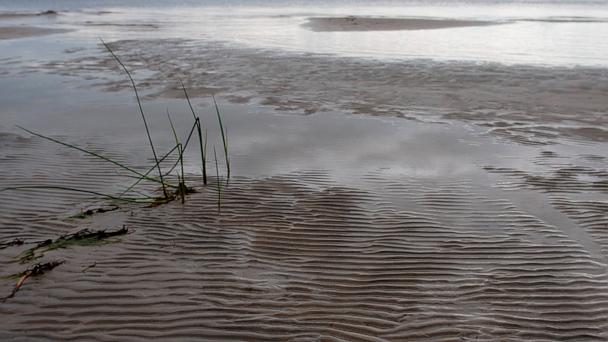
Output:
x,y
351,23
410,253
526,104
14,32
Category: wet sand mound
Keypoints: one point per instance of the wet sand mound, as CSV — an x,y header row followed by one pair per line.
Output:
x,y
17,15
352,23
14,32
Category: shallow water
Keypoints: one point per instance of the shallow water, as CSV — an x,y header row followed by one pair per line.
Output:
x,y
541,33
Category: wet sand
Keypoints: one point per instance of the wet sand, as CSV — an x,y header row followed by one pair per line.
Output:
x,y
463,202
425,232
14,32
527,104
21,15
352,23
304,256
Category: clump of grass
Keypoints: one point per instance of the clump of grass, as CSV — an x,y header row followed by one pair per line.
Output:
x,y
179,190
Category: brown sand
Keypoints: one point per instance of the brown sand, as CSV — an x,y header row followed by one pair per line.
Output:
x,y
526,104
13,32
519,253
386,24
300,258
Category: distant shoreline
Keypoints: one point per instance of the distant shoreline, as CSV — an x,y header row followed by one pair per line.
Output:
x,y
352,23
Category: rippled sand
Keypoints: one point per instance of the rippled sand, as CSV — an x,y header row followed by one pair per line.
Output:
x,y
510,253
465,202
299,258
528,104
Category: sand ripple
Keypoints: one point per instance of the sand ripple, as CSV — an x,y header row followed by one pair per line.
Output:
x,y
526,104
298,257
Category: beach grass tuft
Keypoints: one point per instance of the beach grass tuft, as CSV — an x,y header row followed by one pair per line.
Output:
x,y
130,194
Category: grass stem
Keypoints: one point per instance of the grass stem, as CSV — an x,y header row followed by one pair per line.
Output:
x,y
144,176
219,184
28,187
143,116
224,138
198,124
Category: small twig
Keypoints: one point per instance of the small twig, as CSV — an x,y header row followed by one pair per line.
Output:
x,y
81,237
36,270
89,212
14,242
89,267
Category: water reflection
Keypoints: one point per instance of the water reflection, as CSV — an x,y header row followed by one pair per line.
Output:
x,y
549,33
261,141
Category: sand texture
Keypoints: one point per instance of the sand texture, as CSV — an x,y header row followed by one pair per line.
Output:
x,y
500,251
14,32
527,104
352,23
299,257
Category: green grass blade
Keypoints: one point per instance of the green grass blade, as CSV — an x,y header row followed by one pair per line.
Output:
x,y
202,148
141,110
144,176
188,100
224,140
219,184
149,171
28,187
184,147
181,179
172,128
198,124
